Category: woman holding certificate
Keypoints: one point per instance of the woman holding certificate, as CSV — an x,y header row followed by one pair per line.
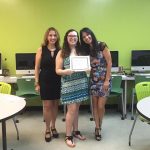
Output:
x,y
100,78
74,85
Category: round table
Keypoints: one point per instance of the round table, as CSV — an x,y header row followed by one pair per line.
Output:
x,y
10,105
143,107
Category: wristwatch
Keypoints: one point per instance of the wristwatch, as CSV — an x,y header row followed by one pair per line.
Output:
x,y
36,83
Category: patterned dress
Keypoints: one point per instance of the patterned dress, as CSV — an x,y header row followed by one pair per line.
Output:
x,y
74,88
98,73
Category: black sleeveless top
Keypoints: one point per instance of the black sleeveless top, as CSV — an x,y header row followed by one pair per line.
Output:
x,y
48,79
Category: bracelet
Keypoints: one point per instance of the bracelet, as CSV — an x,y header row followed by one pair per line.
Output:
x,y
36,83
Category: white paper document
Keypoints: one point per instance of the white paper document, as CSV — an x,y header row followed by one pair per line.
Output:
x,y
79,63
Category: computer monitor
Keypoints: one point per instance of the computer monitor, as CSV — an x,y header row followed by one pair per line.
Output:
x,y
25,63
0,63
140,60
115,61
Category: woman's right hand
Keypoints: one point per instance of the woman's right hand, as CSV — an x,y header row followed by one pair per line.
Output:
x,y
37,88
88,71
68,71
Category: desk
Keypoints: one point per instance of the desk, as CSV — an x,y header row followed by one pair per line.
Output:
x,y
13,79
8,79
143,108
10,106
125,79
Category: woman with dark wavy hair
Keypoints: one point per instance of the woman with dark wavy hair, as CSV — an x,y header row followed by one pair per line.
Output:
x,y
74,85
100,77
47,82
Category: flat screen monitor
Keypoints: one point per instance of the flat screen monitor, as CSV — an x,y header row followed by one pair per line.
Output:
x,y
115,61
140,60
0,63
25,63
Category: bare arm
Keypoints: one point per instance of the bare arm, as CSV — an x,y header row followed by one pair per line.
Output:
x,y
37,65
59,66
107,56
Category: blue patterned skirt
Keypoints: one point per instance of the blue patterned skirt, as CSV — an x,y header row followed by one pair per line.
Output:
x,y
74,88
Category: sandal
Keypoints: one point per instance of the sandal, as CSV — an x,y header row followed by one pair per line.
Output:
x,y
98,136
78,135
69,141
48,136
54,133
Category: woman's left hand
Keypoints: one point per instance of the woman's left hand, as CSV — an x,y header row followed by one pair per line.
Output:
x,y
106,86
88,71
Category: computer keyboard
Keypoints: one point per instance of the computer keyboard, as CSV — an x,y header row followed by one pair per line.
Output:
x,y
28,77
143,74
1,78
9,79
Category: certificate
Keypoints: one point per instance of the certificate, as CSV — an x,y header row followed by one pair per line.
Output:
x,y
79,63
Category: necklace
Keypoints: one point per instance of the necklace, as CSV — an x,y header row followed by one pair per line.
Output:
x,y
52,49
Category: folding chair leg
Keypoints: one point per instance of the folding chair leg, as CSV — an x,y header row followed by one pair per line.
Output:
x,y
132,129
91,108
65,110
132,107
16,128
123,107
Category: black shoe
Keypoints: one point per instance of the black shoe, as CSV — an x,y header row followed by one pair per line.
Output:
x,y
54,133
70,138
78,135
48,136
98,136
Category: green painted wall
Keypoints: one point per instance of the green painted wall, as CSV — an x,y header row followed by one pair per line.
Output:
x,y
123,24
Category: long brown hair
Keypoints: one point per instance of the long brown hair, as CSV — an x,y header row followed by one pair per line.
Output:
x,y
66,49
45,41
96,45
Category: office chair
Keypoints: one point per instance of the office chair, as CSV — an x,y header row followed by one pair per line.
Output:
x,y
138,79
5,88
25,88
118,91
142,90
115,91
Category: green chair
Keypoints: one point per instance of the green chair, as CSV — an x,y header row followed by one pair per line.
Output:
x,y
138,79
142,90
26,87
5,88
117,90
